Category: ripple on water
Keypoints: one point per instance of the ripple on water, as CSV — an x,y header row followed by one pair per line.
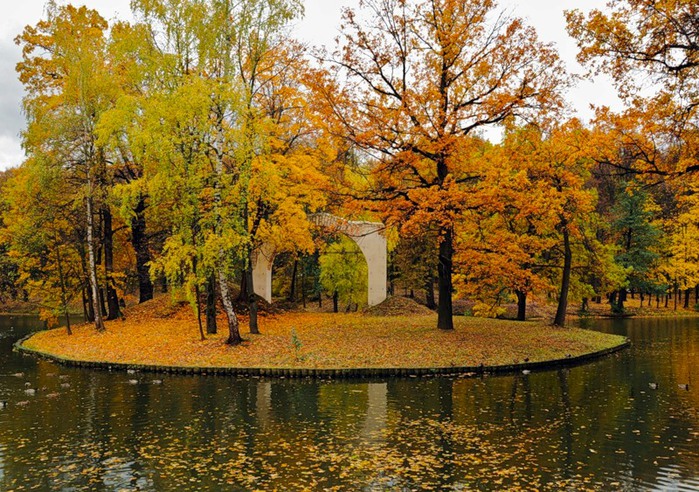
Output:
x,y
599,426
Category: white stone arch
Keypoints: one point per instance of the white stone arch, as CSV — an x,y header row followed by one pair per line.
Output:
x,y
368,236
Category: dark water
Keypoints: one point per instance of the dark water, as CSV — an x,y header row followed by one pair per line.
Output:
x,y
598,427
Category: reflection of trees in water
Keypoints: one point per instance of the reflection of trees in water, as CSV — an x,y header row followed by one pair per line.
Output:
x,y
582,427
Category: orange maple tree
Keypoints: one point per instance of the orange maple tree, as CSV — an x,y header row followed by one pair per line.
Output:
x,y
650,48
414,82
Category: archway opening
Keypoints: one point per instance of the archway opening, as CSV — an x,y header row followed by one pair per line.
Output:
x,y
368,237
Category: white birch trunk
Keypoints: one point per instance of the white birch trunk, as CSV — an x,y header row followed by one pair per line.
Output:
x,y
99,322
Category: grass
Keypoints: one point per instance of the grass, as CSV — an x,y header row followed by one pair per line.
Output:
x,y
322,340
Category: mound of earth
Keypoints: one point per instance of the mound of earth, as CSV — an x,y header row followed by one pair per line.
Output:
x,y
162,307
462,307
165,307
398,306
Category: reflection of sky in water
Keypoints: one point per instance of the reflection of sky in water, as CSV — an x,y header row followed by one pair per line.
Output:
x,y
599,426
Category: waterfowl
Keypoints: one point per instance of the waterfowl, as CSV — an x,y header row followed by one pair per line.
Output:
x,y
653,386
684,386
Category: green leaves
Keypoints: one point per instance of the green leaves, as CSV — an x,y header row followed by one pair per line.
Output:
x,y
343,269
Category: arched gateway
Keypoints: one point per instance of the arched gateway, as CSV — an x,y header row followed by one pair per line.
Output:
x,y
368,236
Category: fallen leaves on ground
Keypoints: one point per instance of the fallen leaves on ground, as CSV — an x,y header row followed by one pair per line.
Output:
x,y
322,340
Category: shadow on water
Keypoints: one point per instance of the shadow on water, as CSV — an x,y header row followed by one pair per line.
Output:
x,y
598,426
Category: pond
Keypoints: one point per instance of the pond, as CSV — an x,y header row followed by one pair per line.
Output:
x,y
620,423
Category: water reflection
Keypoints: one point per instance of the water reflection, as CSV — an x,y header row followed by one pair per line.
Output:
x,y
597,426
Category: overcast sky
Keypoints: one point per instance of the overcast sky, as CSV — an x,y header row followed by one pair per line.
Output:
x,y
318,27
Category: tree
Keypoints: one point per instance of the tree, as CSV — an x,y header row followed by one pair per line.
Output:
x,y
10,287
343,273
651,50
556,161
636,38
503,240
414,266
132,59
43,236
243,151
68,88
637,239
680,262
414,84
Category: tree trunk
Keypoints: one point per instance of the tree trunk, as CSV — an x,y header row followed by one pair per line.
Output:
x,y
234,337
687,293
139,241
87,304
108,238
335,302
622,300
667,299
103,304
92,265
585,305
675,297
303,287
521,305
252,300
445,320
211,327
243,294
560,318
197,294
64,294
429,291
292,289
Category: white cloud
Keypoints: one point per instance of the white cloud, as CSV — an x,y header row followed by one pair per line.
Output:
x,y
11,152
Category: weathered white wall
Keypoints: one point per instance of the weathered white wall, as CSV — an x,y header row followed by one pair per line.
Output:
x,y
262,260
368,236
373,245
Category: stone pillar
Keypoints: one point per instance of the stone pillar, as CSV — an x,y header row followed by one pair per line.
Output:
x,y
372,243
262,261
